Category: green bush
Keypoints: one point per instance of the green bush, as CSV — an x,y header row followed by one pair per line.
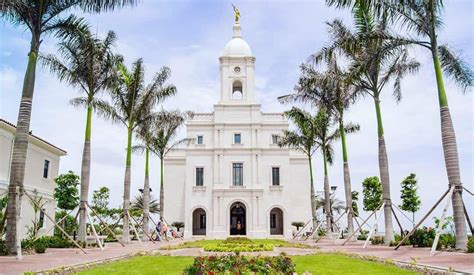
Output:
x,y
423,237
398,238
241,265
238,240
47,242
446,241
238,247
3,248
363,235
470,245
377,240
39,246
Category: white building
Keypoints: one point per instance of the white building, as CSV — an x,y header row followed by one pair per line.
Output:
x,y
42,165
235,180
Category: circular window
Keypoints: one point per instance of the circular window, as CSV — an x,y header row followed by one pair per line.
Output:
x,y
237,70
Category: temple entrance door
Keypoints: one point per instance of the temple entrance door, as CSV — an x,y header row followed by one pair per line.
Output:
x,y
237,219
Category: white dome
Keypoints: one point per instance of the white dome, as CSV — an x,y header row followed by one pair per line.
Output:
x,y
237,47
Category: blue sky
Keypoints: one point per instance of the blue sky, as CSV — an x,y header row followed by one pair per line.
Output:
x,y
188,37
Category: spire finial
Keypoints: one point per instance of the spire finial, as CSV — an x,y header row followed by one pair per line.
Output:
x,y
236,14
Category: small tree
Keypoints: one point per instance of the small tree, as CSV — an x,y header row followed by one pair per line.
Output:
x,y
100,201
66,192
355,199
298,225
37,205
410,199
178,225
3,205
372,190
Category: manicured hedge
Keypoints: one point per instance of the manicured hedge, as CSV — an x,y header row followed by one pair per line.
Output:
x,y
238,247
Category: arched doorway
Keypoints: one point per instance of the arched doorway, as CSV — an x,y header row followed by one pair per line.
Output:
x,y
276,221
237,219
199,222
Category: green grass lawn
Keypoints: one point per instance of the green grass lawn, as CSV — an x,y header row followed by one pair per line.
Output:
x,y
316,264
202,243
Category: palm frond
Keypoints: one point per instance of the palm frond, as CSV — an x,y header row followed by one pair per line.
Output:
x,y
454,66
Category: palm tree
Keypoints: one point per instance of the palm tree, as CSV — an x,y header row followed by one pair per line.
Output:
x,y
325,136
371,68
424,20
41,17
133,104
138,205
303,138
162,140
86,63
145,133
336,205
332,90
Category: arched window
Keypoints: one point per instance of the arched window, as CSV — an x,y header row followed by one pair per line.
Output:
x,y
276,221
237,92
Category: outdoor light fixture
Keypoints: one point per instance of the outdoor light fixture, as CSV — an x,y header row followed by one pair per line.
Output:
x,y
333,188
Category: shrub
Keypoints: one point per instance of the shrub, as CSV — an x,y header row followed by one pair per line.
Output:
x,y
363,235
241,265
377,240
178,225
238,247
3,248
470,245
423,237
298,225
446,241
47,242
238,240
39,246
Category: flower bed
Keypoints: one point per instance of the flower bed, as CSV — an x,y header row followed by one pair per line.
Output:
x,y
241,265
238,247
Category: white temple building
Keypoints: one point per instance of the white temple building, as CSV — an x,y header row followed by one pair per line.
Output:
x,y
234,179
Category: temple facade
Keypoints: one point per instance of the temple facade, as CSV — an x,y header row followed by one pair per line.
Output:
x,y
234,179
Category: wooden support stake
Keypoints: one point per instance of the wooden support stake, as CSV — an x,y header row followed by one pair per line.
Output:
x,y
441,221
374,226
97,239
134,229
398,222
105,224
467,218
53,221
52,227
144,232
360,227
422,220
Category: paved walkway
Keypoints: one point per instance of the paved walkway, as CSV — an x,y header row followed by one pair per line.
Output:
x,y
57,257
54,258
458,261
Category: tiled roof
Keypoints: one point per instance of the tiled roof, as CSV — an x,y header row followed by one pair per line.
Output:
x,y
36,137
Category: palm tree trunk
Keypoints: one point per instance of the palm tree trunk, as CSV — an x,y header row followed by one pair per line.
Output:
x,y
327,195
162,191
20,149
85,176
347,180
146,194
451,158
313,195
126,190
384,176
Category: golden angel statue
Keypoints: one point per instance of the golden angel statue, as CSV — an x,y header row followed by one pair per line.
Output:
x,y
237,14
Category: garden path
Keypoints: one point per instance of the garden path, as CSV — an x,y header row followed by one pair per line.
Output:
x,y
461,262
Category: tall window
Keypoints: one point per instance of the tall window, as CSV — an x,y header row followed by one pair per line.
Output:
x,y
41,218
237,92
275,176
200,140
199,176
274,139
238,174
46,169
237,138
